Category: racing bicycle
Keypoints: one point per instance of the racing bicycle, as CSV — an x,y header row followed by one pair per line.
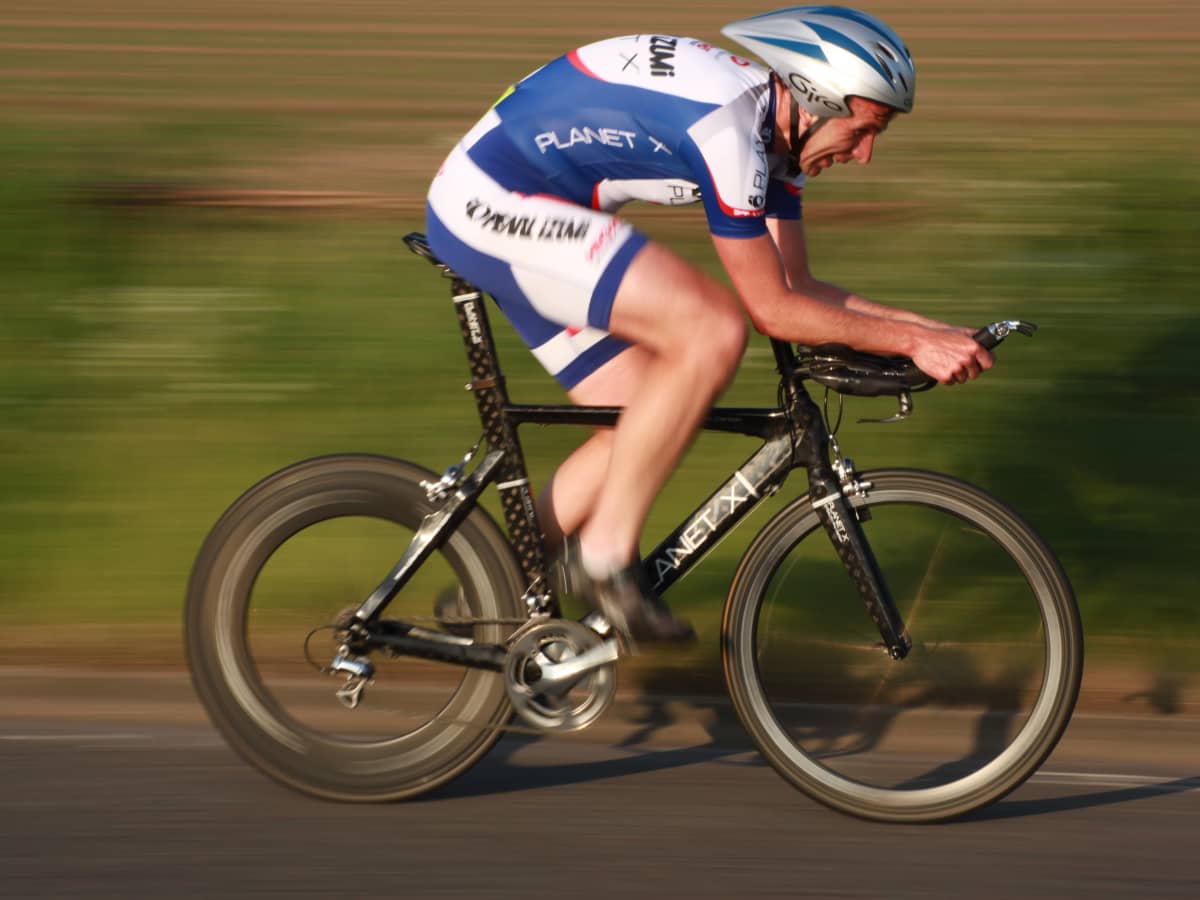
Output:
x,y
898,644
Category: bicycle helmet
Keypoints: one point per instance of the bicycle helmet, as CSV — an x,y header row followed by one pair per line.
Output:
x,y
826,54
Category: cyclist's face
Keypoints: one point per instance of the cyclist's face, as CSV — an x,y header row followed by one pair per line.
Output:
x,y
845,139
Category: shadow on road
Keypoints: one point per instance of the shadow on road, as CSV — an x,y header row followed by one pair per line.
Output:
x,y
499,774
1011,809
1164,694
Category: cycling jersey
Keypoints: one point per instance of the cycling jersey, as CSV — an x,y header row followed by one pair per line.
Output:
x,y
661,118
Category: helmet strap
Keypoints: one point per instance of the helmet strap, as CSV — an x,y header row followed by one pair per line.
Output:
x,y
796,140
794,144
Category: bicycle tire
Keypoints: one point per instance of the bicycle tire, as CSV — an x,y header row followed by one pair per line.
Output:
x,y
994,624
270,705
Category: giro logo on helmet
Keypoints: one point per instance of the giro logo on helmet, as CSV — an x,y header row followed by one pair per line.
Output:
x,y
805,87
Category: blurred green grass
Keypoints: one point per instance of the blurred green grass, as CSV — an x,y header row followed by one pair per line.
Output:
x,y
156,359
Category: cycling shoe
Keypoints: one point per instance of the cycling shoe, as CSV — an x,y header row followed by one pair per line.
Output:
x,y
625,599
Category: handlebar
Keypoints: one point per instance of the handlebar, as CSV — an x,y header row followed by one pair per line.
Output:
x,y
849,371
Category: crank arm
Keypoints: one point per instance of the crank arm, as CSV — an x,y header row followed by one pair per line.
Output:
x,y
559,677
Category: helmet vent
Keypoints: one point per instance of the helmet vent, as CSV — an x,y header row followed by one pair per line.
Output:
x,y
884,64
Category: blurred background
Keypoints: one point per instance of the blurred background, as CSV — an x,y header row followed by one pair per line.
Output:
x,y
202,280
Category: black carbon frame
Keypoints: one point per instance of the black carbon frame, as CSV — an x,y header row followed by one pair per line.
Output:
x,y
759,477
794,435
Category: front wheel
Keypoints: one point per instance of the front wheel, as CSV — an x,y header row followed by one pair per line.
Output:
x,y
978,704
283,567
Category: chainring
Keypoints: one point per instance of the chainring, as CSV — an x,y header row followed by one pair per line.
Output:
x,y
564,709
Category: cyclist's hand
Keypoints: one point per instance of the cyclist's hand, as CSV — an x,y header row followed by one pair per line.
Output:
x,y
950,356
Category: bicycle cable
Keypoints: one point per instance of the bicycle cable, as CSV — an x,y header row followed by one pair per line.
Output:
x,y
833,427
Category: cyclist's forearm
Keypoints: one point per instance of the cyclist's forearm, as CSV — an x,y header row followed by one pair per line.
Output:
x,y
810,311
809,318
831,293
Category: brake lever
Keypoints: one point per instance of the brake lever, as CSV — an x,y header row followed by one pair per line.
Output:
x,y
990,336
906,407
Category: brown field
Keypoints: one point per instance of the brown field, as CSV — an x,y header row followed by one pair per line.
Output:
x,y
366,97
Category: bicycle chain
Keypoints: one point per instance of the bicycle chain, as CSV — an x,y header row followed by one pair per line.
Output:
x,y
464,621
474,723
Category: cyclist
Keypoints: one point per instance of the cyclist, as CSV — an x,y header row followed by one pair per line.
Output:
x,y
524,208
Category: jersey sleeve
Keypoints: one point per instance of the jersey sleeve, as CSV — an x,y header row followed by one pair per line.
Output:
x,y
784,198
724,218
729,162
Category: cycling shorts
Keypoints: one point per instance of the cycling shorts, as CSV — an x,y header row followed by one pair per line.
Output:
x,y
553,266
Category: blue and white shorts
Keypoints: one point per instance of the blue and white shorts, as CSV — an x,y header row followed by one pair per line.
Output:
x,y
553,266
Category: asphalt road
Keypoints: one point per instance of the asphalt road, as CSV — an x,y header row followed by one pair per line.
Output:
x,y
139,797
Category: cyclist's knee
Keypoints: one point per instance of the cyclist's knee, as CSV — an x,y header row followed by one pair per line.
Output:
x,y
731,334
716,339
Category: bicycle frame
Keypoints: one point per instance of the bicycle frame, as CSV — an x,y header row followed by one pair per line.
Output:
x,y
794,435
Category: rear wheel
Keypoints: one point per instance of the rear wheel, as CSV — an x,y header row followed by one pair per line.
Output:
x,y
303,546
973,710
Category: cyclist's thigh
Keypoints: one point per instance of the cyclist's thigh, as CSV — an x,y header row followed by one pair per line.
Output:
x,y
616,383
554,267
664,302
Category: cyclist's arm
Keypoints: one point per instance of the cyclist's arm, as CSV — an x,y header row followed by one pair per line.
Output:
x,y
788,235
808,315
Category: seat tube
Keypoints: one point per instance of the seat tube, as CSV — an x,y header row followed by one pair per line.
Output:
x,y
491,398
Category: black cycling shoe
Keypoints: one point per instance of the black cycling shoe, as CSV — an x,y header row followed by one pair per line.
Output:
x,y
626,601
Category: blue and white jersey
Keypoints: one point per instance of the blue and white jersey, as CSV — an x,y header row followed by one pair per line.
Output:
x,y
523,207
661,118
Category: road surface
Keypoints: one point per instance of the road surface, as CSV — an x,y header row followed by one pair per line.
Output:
x,y
121,789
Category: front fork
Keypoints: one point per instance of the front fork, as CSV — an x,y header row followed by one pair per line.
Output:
x,y
830,499
831,485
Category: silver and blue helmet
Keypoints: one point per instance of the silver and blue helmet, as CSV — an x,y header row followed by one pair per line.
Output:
x,y
826,54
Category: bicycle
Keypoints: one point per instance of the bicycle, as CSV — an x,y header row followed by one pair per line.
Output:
x,y
945,694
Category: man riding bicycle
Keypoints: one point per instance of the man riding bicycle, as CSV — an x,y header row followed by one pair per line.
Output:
x,y
523,207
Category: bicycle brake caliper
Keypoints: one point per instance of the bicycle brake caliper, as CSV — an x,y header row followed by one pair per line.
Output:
x,y
848,476
439,490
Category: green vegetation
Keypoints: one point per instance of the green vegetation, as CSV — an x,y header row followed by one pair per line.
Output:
x,y
156,359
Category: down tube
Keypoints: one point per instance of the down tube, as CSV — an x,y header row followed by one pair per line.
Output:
x,y
759,477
